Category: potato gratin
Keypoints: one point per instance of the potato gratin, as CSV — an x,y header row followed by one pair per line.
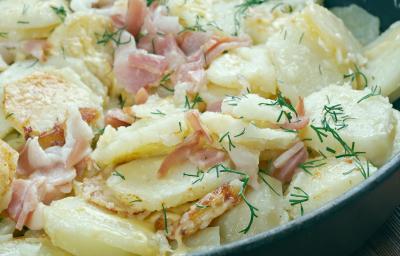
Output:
x,y
132,127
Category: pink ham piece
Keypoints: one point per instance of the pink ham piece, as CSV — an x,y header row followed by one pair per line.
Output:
x,y
193,148
192,72
167,47
118,118
47,175
137,11
286,164
218,45
141,96
215,106
36,48
301,121
136,69
190,42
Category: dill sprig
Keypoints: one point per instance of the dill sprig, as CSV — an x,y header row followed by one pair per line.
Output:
x,y
197,27
356,75
118,174
376,91
201,206
115,37
306,166
121,101
164,80
282,102
158,112
60,12
192,104
230,143
241,133
199,176
241,11
260,174
336,115
3,34
299,197
165,219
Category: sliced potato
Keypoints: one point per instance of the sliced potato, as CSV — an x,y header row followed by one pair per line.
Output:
x,y
383,67
363,25
327,182
367,122
36,102
144,138
268,199
155,108
8,166
396,141
312,50
34,19
78,37
30,247
204,239
83,229
143,190
244,68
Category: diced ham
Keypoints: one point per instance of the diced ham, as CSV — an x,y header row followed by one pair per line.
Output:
x,y
151,63
167,47
192,72
137,11
218,45
48,173
118,118
287,163
215,106
193,119
141,96
36,48
207,157
191,41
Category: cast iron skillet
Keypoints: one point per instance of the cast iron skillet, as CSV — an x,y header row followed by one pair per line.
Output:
x,y
343,225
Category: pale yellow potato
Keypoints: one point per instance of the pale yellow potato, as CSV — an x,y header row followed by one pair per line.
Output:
x,y
325,183
78,37
8,166
145,138
37,102
369,122
33,19
204,239
142,183
271,212
383,67
30,247
396,141
155,104
84,230
311,50
244,68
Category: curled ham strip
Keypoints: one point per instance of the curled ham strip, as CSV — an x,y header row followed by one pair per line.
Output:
x,y
118,118
301,121
36,48
192,148
190,41
215,204
137,11
287,163
217,45
48,173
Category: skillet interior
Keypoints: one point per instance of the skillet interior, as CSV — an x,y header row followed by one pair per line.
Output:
x,y
344,224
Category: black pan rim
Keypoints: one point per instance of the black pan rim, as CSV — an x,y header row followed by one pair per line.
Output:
x,y
328,209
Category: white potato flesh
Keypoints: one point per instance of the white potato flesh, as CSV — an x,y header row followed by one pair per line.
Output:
x,y
383,67
78,37
312,50
363,25
142,183
30,247
396,141
144,138
31,19
271,212
83,229
369,122
326,183
203,239
246,134
8,166
156,108
244,68
53,91
252,107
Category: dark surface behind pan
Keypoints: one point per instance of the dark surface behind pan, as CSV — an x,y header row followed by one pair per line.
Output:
x,y
343,225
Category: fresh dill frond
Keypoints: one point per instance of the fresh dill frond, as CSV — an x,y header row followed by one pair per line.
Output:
x,y
260,174
241,11
298,198
356,75
199,176
158,112
60,12
192,104
282,102
115,37
376,91
118,174
165,219
306,166
230,143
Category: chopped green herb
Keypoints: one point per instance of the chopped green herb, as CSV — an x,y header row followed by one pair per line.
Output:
x,y
241,11
306,166
165,219
260,174
376,91
299,197
3,34
356,75
199,176
115,37
23,22
60,12
241,133
230,143
118,174
158,112
201,206
121,101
